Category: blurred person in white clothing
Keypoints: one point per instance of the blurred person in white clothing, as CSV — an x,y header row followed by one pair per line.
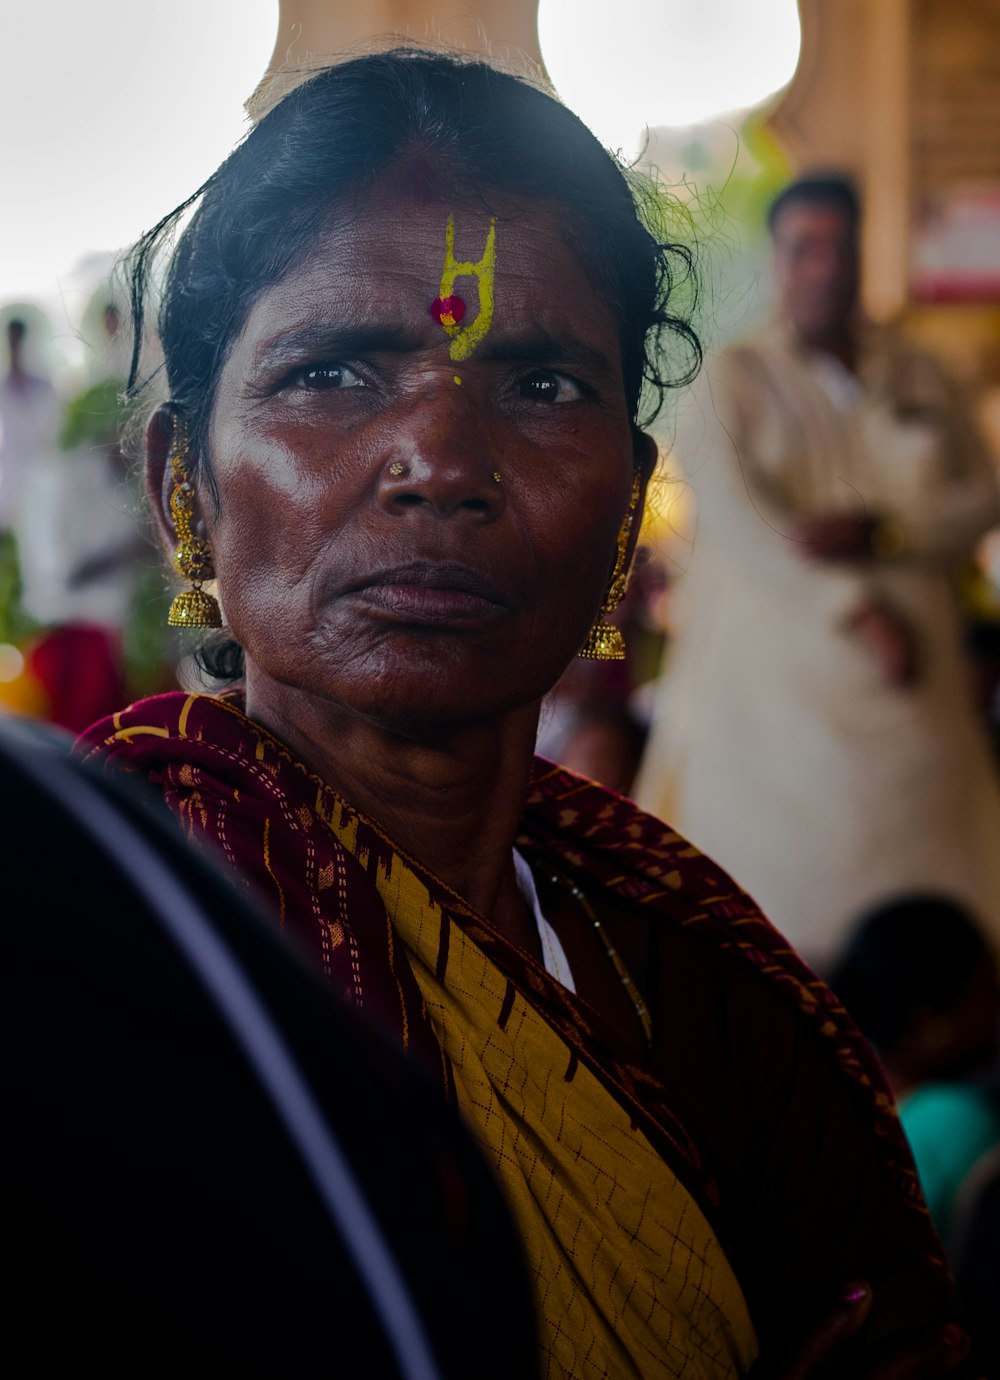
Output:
x,y
29,422
815,728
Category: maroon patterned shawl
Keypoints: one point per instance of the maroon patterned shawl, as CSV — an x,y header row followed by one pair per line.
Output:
x,y
238,790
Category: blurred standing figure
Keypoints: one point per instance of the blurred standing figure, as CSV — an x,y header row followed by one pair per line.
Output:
x,y
815,730
81,549
29,423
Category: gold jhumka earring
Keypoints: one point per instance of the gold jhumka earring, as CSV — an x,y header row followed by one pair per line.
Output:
x,y
193,608
604,641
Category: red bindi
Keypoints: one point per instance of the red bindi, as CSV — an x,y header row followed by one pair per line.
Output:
x,y
447,311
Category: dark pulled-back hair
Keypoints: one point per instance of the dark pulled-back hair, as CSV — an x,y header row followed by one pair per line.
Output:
x,y
817,189
332,137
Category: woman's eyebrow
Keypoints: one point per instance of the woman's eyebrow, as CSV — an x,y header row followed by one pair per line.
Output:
x,y
336,341
543,348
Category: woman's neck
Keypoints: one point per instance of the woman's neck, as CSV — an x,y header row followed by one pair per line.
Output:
x,y
451,798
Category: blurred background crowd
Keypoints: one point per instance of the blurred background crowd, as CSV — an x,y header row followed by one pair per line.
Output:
x,y
811,690
82,609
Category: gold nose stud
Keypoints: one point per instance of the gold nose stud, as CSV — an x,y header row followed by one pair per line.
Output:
x,y
398,467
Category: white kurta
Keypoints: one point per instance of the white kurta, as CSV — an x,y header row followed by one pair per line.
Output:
x,y
777,746
29,425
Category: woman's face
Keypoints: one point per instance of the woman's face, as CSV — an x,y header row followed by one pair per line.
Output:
x,y
366,554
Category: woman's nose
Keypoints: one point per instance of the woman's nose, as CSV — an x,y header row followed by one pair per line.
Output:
x,y
440,463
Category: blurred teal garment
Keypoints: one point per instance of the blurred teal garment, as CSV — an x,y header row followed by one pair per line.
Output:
x,y
949,1126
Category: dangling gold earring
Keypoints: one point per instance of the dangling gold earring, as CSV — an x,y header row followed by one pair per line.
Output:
x,y
604,641
193,558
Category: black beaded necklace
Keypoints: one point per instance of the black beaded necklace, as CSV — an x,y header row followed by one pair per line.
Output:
x,y
635,996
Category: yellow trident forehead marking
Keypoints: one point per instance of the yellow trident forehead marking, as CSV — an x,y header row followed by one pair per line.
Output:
x,y
464,339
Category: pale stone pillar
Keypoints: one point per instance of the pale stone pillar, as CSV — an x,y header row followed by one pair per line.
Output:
x,y
312,32
846,109
885,175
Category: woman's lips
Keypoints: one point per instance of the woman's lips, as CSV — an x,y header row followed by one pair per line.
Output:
x,y
425,592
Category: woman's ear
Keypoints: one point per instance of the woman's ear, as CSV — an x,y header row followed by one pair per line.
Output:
x,y
159,480
646,455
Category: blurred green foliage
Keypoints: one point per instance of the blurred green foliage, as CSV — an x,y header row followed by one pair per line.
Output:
x,y
15,622
94,417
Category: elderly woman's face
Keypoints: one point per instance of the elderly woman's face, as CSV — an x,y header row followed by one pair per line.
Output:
x,y
415,535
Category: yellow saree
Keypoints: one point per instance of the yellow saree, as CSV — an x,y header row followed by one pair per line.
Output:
x,y
630,1278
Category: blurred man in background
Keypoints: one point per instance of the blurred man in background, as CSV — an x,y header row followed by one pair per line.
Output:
x,y
815,729
29,423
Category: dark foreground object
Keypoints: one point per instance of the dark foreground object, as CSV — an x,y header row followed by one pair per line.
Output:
x,y
207,1161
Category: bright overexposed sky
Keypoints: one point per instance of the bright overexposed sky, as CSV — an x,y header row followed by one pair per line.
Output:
x,y
625,64
113,111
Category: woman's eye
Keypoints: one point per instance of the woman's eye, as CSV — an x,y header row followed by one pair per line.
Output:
x,y
545,385
325,377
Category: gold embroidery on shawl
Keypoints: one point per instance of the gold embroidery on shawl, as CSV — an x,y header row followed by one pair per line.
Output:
x,y
271,873
183,719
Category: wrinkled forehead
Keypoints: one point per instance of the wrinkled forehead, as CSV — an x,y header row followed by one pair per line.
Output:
x,y
401,243
420,191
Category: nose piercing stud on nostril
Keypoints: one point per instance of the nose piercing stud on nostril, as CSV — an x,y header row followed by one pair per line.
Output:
x,y
496,477
397,468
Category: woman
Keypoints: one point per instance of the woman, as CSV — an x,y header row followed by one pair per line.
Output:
x,y
405,336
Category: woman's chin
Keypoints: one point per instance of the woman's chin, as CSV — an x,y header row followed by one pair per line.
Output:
x,y
406,682
423,705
